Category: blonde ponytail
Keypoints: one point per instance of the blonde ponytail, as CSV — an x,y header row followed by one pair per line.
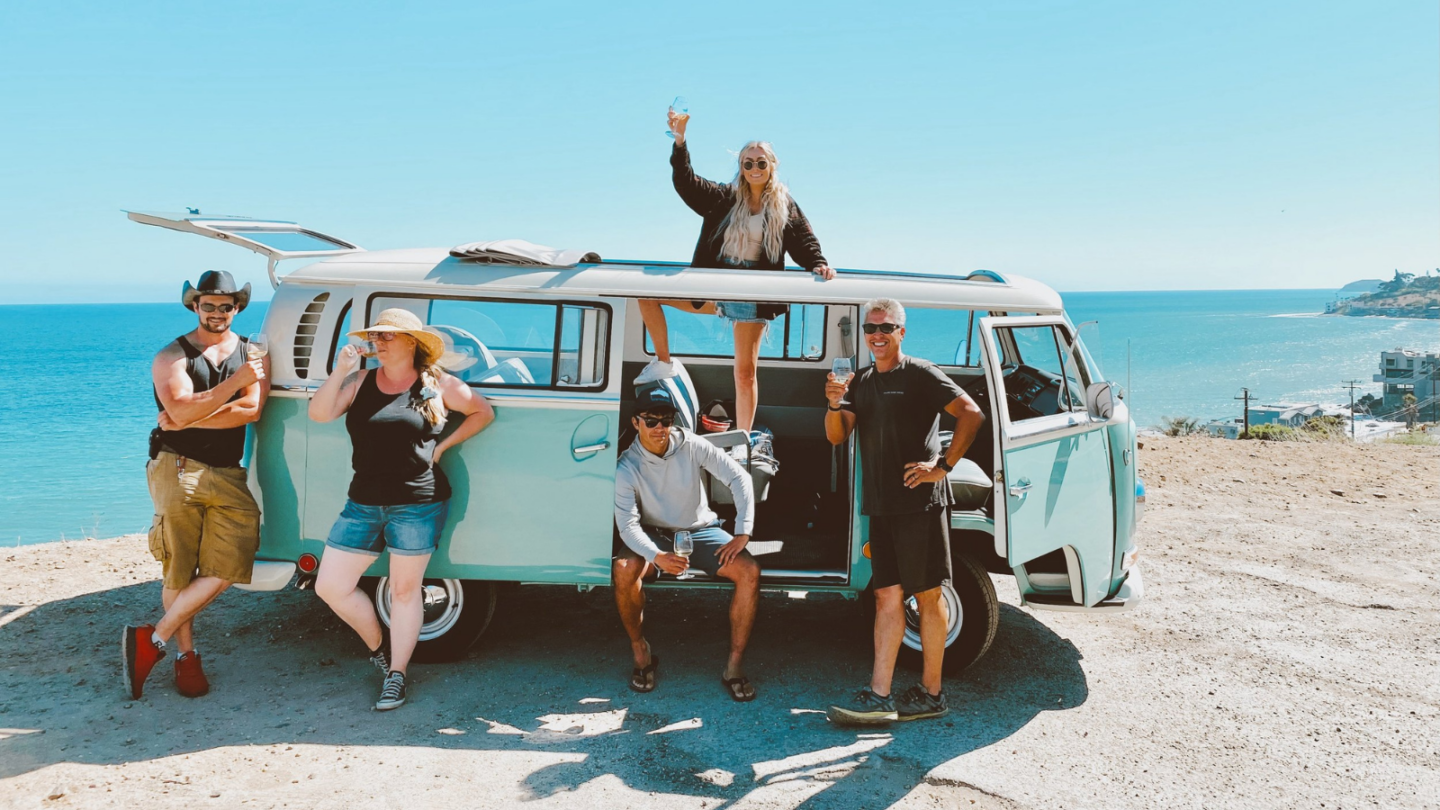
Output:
x,y
428,364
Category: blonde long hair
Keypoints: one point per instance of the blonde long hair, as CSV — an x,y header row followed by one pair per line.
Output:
x,y
774,207
428,364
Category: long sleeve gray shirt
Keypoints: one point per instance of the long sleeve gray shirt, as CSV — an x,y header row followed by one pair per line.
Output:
x,y
669,492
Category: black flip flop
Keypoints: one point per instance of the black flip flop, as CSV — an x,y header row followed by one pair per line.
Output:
x,y
642,679
736,688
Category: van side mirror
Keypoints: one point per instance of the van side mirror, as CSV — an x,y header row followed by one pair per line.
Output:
x,y
1100,399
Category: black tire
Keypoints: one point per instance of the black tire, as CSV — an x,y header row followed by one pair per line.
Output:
x,y
979,616
457,613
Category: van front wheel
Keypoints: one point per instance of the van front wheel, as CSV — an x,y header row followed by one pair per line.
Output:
x,y
973,611
457,612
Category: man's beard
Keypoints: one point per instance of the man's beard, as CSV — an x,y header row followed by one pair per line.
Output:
x,y
212,330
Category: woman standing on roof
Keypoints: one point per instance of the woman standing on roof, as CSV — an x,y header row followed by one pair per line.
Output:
x,y
751,224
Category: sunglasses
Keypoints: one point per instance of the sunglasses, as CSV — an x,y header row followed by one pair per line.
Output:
x,y
762,164
657,421
886,328
225,308
380,337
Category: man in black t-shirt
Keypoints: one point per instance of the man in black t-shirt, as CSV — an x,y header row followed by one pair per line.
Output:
x,y
896,405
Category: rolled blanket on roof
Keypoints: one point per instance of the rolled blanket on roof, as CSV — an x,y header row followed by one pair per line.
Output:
x,y
518,251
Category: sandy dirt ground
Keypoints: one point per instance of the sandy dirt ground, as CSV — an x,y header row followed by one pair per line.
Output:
x,y
1286,655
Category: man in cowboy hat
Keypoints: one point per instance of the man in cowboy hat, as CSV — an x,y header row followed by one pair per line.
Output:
x,y
207,526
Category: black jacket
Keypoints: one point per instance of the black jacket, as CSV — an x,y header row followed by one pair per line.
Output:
x,y
713,201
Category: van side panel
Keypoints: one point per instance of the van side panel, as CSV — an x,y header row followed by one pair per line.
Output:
x,y
277,459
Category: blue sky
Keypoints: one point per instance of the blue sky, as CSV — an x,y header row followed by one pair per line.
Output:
x,y
1095,145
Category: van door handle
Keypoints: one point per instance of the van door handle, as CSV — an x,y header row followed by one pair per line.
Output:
x,y
591,448
1021,489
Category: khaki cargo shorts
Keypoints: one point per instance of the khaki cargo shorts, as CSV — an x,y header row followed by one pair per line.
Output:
x,y
206,521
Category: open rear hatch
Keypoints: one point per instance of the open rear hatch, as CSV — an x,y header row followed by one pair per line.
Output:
x,y
274,239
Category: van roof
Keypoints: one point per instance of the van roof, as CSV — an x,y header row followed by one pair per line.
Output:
x,y
435,270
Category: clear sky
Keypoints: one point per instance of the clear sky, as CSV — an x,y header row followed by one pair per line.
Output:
x,y
1092,145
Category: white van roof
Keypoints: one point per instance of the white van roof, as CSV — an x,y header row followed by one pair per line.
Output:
x,y
435,271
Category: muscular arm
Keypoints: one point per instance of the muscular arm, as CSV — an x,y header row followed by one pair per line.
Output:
x,y
234,413
461,398
968,419
177,394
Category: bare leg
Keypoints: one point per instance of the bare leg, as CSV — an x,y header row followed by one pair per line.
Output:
x,y
889,630
745,573
933,618
653,314
628,572
183,605
336,582
407,606
747,359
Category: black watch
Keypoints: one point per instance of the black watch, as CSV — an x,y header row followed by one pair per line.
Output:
x,y
947,467
833,408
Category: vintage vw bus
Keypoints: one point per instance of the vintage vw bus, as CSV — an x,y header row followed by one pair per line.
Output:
x,y
1048,493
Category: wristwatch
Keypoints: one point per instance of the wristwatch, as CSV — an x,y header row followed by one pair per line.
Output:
x,y
942,464
833,408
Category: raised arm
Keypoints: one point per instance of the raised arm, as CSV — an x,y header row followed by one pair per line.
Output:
x,y
461,398
703,196
182,404
839,421
338,391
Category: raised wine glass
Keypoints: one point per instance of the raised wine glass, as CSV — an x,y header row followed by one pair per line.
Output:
x,y
256,346
681,108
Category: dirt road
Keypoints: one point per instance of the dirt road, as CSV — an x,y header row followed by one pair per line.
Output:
x,y
1286,656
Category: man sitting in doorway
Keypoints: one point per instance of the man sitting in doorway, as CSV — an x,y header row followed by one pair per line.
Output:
x,y
659,490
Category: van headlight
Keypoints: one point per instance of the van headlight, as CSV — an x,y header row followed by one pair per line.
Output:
x,y
1127,560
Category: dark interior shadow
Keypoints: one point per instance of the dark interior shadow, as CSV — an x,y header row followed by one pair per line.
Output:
x,y
550,675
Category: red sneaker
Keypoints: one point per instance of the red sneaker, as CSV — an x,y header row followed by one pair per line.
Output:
x,y
139,655
189,677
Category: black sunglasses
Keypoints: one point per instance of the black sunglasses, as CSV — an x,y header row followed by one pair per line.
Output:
x,y
887,328
750,164
225,308
657,421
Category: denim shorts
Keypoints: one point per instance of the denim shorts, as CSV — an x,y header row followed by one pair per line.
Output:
x,y
741,312
708,542
409,529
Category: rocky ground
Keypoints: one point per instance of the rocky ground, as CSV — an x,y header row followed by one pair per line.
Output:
x,y
1286,655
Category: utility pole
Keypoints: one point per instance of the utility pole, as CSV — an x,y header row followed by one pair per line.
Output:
x,y
1352,384
1245,395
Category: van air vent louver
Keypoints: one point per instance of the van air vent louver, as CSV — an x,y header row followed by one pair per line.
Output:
x,y
305,334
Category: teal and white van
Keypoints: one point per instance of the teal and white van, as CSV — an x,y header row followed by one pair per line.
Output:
x,y
1048,493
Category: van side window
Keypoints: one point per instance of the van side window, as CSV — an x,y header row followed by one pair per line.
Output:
x,y
515,344
1042,377
945,337
797,335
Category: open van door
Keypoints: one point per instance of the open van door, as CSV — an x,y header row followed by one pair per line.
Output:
x,y
1053,482
276,240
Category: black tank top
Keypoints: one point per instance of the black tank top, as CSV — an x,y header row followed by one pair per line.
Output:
x,y
221,447
393,448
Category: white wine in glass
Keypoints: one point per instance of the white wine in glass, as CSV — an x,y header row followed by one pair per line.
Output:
x,y
842,369
256,346
684,547
680,108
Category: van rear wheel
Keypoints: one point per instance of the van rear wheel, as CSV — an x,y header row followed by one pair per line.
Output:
x,y
974,616
457,613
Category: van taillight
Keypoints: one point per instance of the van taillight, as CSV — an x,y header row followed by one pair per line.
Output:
x,y
307,563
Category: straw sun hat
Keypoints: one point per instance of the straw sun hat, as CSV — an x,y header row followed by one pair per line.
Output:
x,y
406,323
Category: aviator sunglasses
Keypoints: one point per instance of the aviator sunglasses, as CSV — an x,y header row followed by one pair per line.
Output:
x,y
751,164
381,337
225,308
887,328
657,421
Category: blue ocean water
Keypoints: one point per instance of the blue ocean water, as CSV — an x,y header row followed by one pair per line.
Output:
x,y
76,406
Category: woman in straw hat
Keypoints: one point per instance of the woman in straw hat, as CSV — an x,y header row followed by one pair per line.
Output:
x,y
398,496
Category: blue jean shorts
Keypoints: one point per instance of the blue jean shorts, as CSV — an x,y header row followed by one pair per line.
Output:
x,y
409,529
740,312
708,542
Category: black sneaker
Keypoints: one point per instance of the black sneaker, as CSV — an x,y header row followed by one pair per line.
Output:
x,y
392,694
381,659
866,708
918,704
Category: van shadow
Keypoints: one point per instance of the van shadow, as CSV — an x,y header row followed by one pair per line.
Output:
x,y
549,677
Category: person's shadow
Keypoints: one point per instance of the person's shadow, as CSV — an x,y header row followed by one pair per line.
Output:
x,y
550,675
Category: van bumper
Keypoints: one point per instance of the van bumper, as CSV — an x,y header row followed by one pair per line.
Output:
x,y
269,575
1132,590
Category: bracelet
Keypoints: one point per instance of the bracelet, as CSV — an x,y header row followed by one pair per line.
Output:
x,y
833,408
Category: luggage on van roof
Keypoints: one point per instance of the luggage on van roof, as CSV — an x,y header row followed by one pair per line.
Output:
x,y
518,251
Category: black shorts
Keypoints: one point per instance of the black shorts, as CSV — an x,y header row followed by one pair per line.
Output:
x,y
911,550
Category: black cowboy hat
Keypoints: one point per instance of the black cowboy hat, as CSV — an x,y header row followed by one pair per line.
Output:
x,y
215,282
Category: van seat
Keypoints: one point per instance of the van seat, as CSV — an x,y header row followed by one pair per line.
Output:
x,y
510,370
969,485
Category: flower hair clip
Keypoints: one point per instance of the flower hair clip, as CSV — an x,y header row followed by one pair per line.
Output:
x,y
427,393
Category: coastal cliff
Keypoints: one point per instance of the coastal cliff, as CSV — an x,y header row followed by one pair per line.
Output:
x,y
1404,296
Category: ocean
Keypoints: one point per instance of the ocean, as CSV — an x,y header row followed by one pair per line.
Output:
x,y
76,403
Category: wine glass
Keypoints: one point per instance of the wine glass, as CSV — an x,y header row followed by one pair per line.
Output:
x,y
681,107
257,346
684,547
843,369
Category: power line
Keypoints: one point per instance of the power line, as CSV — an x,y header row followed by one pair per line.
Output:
x,y
1245,395
1352,385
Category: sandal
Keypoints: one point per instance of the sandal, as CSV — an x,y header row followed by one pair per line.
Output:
x,y
642,679
736,688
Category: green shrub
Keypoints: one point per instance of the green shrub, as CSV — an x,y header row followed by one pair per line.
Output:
x,y
1415,438
1326,427
1272,433
1180,425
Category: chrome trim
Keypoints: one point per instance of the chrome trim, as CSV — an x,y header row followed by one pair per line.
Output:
x,y
1048,428
590,448
1021,489
269,575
